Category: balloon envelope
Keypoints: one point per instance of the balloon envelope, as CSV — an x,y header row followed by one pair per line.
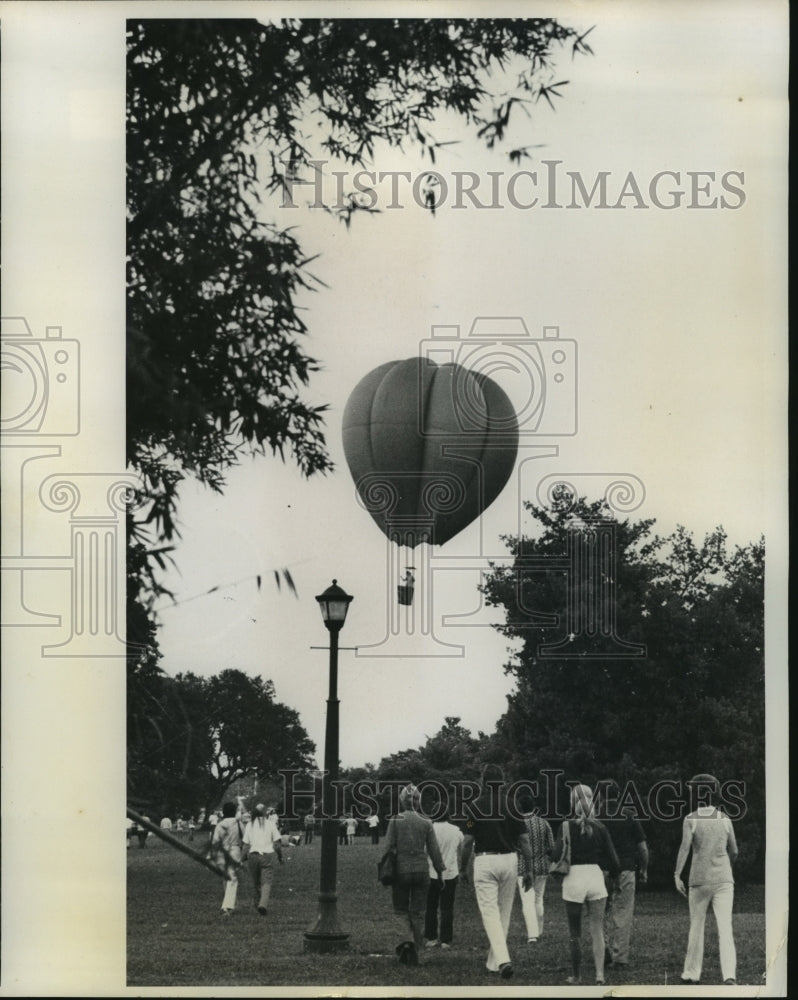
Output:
x,y
429,447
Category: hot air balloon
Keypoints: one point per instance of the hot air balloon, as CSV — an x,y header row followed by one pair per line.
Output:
x,y
429,446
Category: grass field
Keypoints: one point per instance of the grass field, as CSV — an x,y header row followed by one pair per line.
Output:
x,y
177,936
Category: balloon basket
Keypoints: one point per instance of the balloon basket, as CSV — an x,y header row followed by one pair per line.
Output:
x,y
405,594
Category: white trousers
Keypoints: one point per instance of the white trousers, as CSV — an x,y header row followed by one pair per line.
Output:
x,y
495,878
722,898
532,905
231,885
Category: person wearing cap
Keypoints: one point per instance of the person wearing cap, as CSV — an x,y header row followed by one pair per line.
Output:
x,y
262,841
709,834
412,837
631,846
495,837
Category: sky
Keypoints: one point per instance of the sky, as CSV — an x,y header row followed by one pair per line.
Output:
x,y
678,316
675,318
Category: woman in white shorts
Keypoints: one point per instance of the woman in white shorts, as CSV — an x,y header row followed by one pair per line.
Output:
x,y
592,854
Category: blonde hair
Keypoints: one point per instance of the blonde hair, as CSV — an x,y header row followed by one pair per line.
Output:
x,y
582,806
409,797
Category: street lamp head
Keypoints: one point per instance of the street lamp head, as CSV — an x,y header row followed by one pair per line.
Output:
x,y
334,604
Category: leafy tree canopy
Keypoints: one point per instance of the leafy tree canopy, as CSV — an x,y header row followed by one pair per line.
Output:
x,y
693,703
216,108
190,738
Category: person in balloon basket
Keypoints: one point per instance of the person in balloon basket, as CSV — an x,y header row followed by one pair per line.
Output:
x,y
412,837
708,833
495,837
591,853
262,843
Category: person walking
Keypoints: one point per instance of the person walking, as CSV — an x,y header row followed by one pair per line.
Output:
x,y
709,834
373,824
440,894
541,841
592,854
413,839
351,828
262,841
494,837
142,832
310,826
631,846
226,843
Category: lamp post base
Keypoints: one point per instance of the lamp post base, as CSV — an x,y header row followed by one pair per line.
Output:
x,y
322,944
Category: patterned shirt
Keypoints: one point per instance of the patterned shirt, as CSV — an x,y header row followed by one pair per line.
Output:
x,y
541,840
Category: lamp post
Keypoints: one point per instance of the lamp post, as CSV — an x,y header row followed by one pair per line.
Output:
x,y
325,935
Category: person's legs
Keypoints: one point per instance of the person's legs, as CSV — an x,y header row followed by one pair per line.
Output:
x,y
230,890
540,891
722,904
431,918
231,885
417,906
486,890
447,909
266,876
253,862
595,923
400,899
529,909
698,897
620,915
574,913
508,867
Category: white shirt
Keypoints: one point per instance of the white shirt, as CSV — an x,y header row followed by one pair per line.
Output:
x,y
261,835
449,838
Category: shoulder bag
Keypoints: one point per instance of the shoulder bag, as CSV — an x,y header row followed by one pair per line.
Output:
x,y
386,867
